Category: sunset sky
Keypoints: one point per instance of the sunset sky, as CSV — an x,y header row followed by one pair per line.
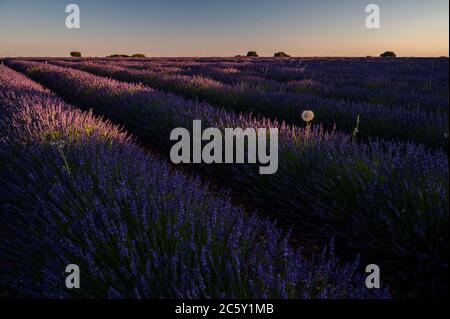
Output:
x,y
224,28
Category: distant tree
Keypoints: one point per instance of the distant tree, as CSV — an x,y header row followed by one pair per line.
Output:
x,y
119,56
281,55
75,54
388,54
252,54
138,55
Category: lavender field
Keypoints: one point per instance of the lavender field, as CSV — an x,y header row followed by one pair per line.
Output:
x,y
87,178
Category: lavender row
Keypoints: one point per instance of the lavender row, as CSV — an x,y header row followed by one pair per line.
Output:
x,y
77,190
385,200
405,75
389,122
425,92
409,83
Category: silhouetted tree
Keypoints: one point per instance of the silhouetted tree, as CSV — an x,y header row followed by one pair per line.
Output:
x,y
252,54
281,55
119,56
75,54
388,54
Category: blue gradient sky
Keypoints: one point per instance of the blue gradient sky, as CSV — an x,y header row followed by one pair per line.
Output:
x,y
224,28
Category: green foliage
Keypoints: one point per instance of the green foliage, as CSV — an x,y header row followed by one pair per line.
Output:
x,y
75,54
388,54
119,56
281,55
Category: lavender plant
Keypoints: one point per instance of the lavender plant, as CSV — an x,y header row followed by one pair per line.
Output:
x,y
385,200
134,227
385,121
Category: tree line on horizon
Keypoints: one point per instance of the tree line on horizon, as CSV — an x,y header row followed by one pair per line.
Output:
x,y
250,54
77,54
